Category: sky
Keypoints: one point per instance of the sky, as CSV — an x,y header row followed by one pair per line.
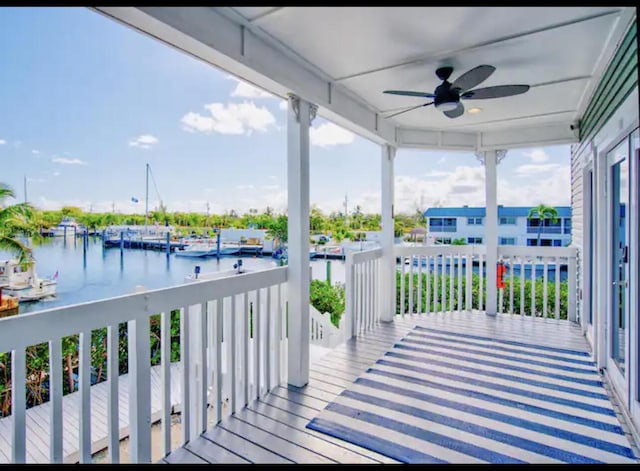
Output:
x,y
86,102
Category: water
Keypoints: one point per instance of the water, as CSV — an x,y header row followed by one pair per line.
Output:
x,y
102,273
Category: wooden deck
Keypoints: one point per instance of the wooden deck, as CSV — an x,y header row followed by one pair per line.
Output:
x,y
273,430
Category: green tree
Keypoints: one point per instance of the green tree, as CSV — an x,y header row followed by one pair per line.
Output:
x,y
278,229
542,212
460,241
15,220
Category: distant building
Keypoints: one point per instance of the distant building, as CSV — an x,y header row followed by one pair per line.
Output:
x,y
514,227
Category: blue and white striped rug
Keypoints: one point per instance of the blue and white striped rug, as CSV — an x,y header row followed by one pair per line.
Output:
x,y
445,397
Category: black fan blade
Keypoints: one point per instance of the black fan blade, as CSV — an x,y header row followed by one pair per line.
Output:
x,y
473,77
408,109
409,93
459,111
494,92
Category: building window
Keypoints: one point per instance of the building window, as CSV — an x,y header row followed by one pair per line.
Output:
x,y
557,243
474,221
567,226
507,220
474,240
442,224
548,227
507,241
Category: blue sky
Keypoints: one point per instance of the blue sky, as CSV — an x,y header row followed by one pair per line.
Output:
x,y
85,102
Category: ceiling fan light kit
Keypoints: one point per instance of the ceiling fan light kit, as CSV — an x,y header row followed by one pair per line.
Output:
x,y
447,95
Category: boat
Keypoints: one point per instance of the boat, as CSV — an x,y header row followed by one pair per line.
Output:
x,y
198,249
22,281
68,227
230,248
8,304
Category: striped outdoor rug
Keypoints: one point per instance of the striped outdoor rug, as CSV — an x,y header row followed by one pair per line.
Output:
x,y
444,397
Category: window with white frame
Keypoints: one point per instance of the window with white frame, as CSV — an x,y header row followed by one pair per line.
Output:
x,y
507,220
474,240
474,221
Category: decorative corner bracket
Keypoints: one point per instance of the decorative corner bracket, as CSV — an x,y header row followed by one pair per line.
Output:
x,y
294,101
500,155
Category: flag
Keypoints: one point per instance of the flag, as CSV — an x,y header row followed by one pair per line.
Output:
x,y
135,200
55,275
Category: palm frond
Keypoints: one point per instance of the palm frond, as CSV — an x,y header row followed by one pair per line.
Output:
x,y
22,251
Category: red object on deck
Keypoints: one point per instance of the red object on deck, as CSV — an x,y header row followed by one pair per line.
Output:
x,y
500,272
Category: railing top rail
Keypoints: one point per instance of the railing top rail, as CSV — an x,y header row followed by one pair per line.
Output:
x,y
568,252
432,250
33,328
365,255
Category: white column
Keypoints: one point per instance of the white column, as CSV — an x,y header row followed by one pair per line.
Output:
x,y
388,263
299,116
491,159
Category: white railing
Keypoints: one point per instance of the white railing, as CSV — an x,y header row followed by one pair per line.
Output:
x,y
323,332
549,261
232,351
443,278
363,284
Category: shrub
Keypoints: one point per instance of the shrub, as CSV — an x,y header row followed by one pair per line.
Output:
x,y
329,298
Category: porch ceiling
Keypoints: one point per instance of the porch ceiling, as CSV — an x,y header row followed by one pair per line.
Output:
x,y
358,52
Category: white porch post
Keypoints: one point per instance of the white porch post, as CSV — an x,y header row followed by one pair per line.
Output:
x,y
491,159
388,262
300,114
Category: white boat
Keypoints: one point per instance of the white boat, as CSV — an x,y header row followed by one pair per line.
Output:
x,y
23,282
230,248
198,249
68,227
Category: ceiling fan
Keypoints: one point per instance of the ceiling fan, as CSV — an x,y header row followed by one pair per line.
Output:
x,y
447,95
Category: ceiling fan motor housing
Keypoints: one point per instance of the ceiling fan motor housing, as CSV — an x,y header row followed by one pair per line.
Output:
x,y
445,95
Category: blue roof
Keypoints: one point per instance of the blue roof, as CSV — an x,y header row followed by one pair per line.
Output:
x,y
503,211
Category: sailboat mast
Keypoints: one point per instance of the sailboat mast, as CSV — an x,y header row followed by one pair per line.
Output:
x,y
146,202
25,188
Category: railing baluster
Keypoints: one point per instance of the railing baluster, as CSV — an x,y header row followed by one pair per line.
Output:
x,y
452,281
411,284
571,278
468,270
481,284
84,383
459,265
18,406
511,267
245,346
427,260
219,326
369,294
234,353
557,290
279,325
184,359
420,306
533,286
402,310
443,303
436,276
257,343
113,404
545,278
522,299
55,398
204,406
165,371
269,337
139,391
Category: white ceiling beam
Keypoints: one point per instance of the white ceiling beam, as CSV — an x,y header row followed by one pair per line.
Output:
x,y
224,43
515,137
445,54
260,18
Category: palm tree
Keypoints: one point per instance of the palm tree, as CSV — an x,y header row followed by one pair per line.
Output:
x,y
543,212
15,219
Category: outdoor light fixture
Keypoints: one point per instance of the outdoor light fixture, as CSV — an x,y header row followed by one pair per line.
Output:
x,y
474,110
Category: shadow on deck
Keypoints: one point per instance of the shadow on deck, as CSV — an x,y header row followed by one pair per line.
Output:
x,y
515,373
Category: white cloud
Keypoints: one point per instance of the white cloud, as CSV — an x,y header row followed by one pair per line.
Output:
x,y
536,169
2,141
35,152
246,90
329,135
144,141
436,174
66,161
232,118
283,104
537,156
